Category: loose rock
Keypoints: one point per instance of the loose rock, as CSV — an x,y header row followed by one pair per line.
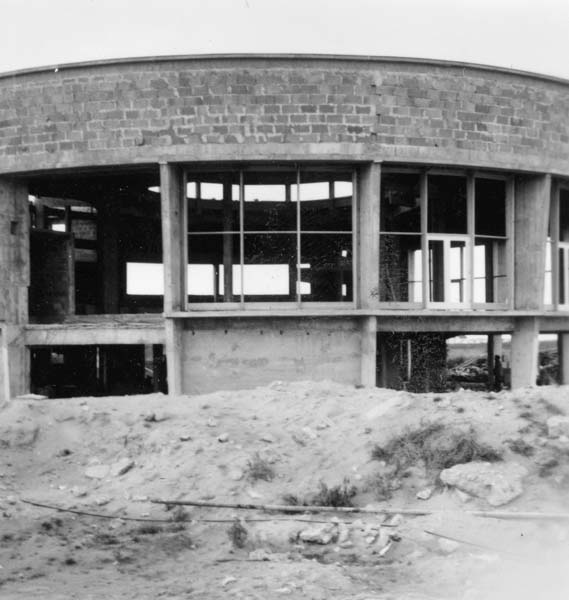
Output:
x,y
498,484
121,467
97,471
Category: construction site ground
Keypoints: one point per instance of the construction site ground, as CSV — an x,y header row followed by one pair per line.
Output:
x,y
295,443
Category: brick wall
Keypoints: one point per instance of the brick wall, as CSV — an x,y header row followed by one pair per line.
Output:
x,y
145,110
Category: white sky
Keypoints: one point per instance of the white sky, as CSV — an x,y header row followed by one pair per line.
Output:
x,y
523,34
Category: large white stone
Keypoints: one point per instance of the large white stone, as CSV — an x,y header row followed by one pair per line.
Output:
x,y
558,426
497,483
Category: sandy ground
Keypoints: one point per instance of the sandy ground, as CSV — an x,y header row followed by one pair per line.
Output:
x,y
70,453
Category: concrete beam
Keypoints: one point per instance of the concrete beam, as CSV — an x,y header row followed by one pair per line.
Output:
x,y
38,335
524,349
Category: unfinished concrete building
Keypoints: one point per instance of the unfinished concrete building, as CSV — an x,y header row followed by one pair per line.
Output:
x,y
188,224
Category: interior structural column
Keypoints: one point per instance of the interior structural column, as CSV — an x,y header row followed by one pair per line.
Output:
x,y
563,352
109,256
14,282
174,252
525,348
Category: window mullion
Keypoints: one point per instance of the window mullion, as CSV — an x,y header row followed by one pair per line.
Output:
x,y
242,238
298,241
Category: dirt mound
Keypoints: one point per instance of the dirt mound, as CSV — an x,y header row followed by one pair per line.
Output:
x,y
297,442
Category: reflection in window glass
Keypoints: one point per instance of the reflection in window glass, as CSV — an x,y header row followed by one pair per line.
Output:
x,y
400,269
446,211
400,208
490,207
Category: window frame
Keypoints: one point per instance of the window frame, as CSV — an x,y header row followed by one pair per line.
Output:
x,y
470,234
298,304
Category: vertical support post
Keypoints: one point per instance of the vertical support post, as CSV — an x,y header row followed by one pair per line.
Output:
x,y
227,242
554,223
369,351
14,282
531,220
563,352
525,348
108,246
369,181
175,258
470,207
425,267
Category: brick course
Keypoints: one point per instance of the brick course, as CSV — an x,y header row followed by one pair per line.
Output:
x,y
403,108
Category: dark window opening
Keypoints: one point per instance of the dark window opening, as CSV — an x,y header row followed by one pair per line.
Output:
x,y
446,204
70,371
101,223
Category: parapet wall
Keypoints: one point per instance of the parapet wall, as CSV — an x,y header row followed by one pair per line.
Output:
x,y
223,108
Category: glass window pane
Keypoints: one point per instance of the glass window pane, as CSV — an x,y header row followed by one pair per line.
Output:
x,y
326,267
268,201
436,271
447,204
320,208
270,267
564,215
562,275
400,202
212,206
207,255
457,271
490,207
400,268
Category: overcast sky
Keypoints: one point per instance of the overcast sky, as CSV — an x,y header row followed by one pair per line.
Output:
x,y
523,34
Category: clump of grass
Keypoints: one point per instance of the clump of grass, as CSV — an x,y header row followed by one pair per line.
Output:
x,y
237,534
179,515
148,530
381,486
437,446
338,495
520,446
259,468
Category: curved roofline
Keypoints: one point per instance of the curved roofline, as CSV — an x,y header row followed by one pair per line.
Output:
x,y
316,57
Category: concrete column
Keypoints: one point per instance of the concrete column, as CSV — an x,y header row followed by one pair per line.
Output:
x,y
175,258
533,195
563,351
369,352
369,180
14,282
525,348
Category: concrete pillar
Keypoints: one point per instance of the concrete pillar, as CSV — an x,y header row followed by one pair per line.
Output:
x,y
563,352
369,352
524,349
390,369
369,180
533,195
174,254
14,282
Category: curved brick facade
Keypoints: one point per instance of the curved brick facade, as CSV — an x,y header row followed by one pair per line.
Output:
x,y
228,108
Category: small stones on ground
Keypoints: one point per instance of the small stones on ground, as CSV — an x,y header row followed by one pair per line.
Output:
x,y
267,437
102,500
78,491
557,426
121,467
322,534
222,438
462,496
254,494
228,580
185,438
310,433
447,546
97,471
211,422
425,494
235,474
